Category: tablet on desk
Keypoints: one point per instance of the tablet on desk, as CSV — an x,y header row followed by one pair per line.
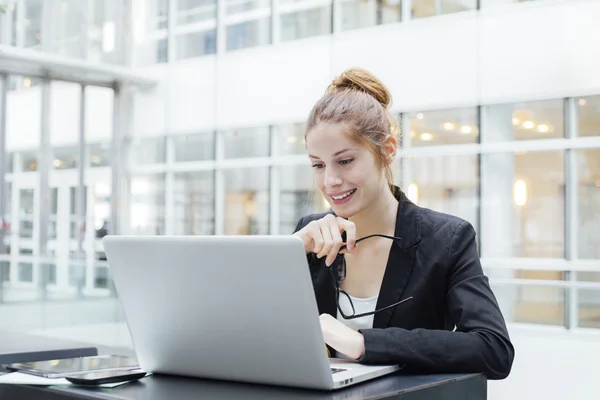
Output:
x,y
75,366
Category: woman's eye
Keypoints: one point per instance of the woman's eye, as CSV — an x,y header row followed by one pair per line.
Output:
x,y
318,166
346,162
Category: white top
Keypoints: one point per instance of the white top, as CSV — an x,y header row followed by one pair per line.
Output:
x,y
361,305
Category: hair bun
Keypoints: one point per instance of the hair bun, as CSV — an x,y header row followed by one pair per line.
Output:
x,y
364,81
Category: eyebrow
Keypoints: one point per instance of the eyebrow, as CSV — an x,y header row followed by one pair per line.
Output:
x,y
337,153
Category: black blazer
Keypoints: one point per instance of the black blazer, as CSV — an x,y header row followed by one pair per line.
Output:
x,y
437,263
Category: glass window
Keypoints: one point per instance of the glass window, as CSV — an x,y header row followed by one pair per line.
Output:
x,y
147,210
32,25
10,159
150,150
290,139
429,8
523,204
249,142
26,216
588,194
101,31
443,127
196,44
246,201
99,154
99,212
194,203
448,184
65,157
240,6
5,221
524,121
196,147
588,300
68,37
29,160
249,34
298,197
362,14
588,116
305,23
190,11
151,20
533,304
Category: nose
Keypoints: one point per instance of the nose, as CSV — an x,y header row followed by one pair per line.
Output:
x,y
332,178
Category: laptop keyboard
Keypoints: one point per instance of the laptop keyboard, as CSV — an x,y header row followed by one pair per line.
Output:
x,y
336,370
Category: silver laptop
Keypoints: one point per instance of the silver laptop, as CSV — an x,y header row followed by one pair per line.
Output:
x,y
238,308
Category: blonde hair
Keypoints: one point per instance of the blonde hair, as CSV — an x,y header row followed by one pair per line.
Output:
x,y
358,100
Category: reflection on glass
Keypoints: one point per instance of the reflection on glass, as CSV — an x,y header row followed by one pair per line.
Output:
x,y
26,219
305,23
151,150
147,210
102,43
250,142
240,6
196,44
99,214
10,159
447,184
99,154
289,139
189,11
588,300
588,194
25,272
246,201
443,127
68,38
430,8
197,147
5,220
531,304
29,160
249,34
65,157
588,116
361,14
524,205
524,121
298,196
194,212
32,24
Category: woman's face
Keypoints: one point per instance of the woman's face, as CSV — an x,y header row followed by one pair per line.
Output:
x,y
345,172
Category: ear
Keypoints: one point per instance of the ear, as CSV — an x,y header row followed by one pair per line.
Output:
x,y
391,148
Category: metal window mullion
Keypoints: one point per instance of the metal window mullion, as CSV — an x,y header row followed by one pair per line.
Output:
x,y
116,163
221,28
571,215
169,187
336,16
219,186
406,146
274,186
406,10
275,25
438,7
3,156
171,25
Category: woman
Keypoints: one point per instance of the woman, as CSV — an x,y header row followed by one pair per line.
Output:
x,y
449,321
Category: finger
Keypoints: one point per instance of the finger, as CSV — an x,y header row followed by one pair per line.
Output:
x,y
315,234
327,240
345,250
336,237
350,229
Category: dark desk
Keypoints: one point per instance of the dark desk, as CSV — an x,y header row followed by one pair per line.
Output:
x,y
161,387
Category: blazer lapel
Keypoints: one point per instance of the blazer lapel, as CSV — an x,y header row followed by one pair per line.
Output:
x,y
401,260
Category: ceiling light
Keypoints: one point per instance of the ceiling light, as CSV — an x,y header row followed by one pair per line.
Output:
x,y
96,159
292,139
598,183
516,121
108,36
528,125
448,126
582,102
27,83
26,22
520,152
412,193
412,134
11,6
543,128
426,136
466,129
420,116
56,163
520,193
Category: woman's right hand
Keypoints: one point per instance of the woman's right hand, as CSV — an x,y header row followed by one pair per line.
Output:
x,y
323,237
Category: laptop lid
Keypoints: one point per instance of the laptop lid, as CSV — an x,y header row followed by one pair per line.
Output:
x,y
222,307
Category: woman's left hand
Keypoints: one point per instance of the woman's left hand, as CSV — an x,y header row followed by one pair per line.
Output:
x,y
343,339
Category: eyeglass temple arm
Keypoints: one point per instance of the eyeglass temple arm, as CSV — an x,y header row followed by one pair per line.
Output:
x,y
375,234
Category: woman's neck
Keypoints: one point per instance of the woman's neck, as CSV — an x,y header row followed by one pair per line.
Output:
x,y
377,217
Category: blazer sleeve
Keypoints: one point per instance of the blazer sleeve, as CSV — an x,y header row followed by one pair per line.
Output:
x,y
480,342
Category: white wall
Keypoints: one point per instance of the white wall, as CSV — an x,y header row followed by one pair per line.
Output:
x,y
503,54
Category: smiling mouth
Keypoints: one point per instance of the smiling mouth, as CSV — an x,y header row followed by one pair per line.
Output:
x,y
344,195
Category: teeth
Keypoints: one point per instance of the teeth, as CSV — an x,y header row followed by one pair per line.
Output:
x,y
343,196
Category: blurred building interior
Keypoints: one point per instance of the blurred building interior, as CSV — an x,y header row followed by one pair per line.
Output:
x,y
186,117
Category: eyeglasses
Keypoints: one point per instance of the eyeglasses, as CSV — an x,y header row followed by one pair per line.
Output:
x,y
339,275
